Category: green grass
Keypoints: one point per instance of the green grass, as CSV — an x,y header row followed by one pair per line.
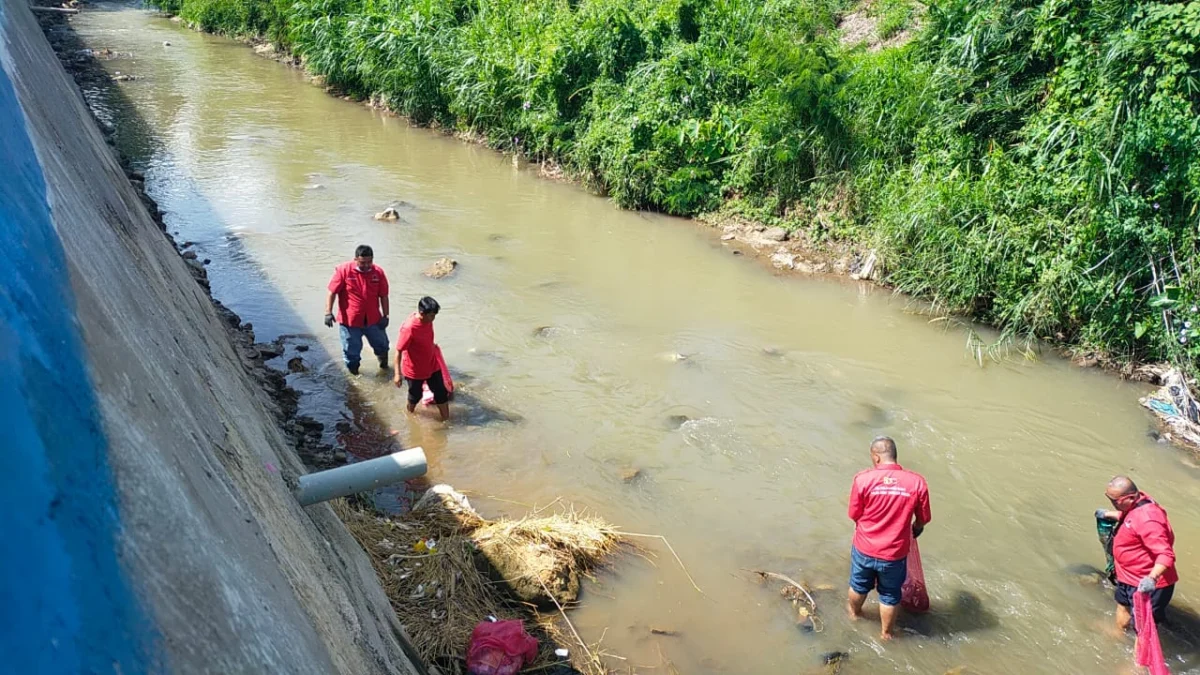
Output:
x,y
1029,163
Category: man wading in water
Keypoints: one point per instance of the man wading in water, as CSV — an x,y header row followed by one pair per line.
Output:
x,y
889,507
361,289
1143,550
418,362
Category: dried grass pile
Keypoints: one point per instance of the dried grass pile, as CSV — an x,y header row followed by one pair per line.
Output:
x,y
543,558
475,568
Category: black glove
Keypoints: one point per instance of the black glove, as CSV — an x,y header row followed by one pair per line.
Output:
x,y
383,323
917,530
329,321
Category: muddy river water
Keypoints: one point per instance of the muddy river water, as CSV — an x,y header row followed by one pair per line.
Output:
x,y
562,323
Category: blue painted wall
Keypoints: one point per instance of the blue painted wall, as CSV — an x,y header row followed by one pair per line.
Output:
x,y
65,604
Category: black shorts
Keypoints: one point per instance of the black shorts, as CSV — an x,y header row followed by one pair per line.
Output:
x,y
1159,599
436,385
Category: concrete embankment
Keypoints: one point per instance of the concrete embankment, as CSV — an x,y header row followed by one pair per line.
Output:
x,y
150,522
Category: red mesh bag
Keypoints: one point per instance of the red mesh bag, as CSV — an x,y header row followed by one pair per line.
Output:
x,y
426,395
913,595
1149,649
500,648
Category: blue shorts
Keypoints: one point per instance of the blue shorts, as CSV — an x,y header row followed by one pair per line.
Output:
x,y
868,574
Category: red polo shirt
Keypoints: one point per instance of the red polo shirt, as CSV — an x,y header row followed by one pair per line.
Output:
x,y
882,503
418,354
358,294
1144,539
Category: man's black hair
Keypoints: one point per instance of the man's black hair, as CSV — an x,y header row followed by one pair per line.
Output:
x,y
364,251
428,305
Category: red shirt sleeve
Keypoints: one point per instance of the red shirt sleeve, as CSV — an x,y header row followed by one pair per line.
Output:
x,y
923,512
856,502
337,281
405,336
1154,536
383,282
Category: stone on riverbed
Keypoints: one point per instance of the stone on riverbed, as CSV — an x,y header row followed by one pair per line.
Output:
x,y
388,214
441,269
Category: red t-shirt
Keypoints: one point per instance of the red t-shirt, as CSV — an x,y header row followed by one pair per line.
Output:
x,y
358,294
882,503
418,355
1144,539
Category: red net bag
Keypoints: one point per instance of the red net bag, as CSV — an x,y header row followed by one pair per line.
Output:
x,y
1149,649
426,395
500,648
913,595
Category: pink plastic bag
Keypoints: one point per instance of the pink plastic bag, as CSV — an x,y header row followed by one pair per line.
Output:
x,y
913,595
427,396
500,648
1149,649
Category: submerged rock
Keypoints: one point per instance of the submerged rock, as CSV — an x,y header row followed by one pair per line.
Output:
x,y
673,422
388,214
630,474
441,269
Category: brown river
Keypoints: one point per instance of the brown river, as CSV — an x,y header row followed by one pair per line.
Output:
x,y
563,324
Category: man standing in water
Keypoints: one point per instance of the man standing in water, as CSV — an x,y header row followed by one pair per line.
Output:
x,y
361,289
418,362
889,507
1143,549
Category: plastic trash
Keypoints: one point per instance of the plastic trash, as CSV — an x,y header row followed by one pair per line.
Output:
x,y
1106,529
914,597
426,395
1149,649
500,648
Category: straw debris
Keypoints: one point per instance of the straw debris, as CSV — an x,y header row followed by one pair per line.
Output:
x,y
445,569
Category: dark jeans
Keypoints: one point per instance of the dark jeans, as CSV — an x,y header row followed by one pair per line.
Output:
x,y
352,337
1159,599
437,387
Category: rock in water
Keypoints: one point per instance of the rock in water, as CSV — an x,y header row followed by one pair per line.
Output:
x,y
630,474
296,365
388,214
673,422
441,269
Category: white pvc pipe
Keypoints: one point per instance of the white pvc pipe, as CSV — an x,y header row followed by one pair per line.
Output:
x,y
361,476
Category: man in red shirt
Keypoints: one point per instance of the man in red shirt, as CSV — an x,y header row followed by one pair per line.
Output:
x,y
361,289
418,362
889,507
1143,549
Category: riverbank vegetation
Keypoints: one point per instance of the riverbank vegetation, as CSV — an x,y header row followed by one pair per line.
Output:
x,y
1029,163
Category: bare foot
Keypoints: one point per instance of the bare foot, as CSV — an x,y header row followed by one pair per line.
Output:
x,y
886,637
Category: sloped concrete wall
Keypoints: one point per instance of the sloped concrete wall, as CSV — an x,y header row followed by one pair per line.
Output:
x,y
150,527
